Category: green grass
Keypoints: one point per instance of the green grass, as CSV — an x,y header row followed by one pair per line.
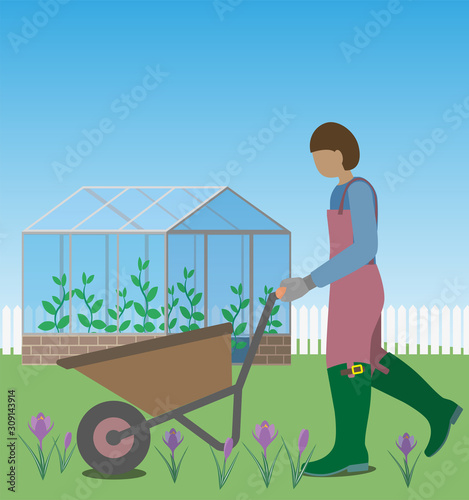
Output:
x,y
292,398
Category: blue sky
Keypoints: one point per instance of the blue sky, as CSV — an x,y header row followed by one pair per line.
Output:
x,y
216,83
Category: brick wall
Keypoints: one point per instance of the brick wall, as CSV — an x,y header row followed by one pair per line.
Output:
x,y
47,349
274,350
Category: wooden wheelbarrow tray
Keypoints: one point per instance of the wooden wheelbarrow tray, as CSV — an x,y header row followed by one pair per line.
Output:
x,y
170,376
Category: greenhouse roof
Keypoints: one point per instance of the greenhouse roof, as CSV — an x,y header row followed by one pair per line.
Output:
x,y
154,210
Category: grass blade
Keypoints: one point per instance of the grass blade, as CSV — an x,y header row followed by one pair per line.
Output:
x,y
258,465
218,467
400,467
230,468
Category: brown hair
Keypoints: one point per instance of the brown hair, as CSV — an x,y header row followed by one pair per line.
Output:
x,y
336,137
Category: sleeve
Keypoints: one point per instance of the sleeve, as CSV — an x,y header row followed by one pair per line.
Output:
x,y
365,238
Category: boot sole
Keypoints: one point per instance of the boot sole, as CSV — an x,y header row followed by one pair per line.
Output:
x,y
351,468
454,418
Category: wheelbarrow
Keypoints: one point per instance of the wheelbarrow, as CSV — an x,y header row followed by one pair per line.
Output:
x,y
166,377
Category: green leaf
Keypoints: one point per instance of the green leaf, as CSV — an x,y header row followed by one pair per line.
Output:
x,y
227,315
198,316
233,343
67,295
146,285
63,322
161,327
129,304
177,300
240,329
197,298
45,326
194,326
184,328
145,265
241,345
172,323
56,299
181,287
90,299
265,289
276,323
185,272
64,279
79,293
97,323
139,309
234,289
140,264
185,312
244,303
97,306
139,328
154,313
124,292
275,310
273,331
83,278
135,280
234,308
48,307
112,313
111,328
149,327
84,320
191,273
262,301
190,292
124,325
152,293
56,280
240,289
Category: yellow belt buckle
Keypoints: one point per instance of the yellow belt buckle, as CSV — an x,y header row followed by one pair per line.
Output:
x,y
359,369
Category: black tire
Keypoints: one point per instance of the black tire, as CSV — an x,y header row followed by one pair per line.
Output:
x,y
110,459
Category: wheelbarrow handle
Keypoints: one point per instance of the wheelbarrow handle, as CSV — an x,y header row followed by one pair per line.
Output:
x,y
256,338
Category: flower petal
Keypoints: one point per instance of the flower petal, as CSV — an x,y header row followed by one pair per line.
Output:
x,y
258,429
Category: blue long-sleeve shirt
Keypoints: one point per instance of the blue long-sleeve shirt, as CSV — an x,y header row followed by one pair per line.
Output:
x,y
360,200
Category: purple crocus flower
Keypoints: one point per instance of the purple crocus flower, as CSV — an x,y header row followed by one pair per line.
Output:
x,y
173,439
40,427
228,448
406,444
264,435
303,440
67,440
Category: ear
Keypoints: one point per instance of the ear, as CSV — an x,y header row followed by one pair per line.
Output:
x,y
339,156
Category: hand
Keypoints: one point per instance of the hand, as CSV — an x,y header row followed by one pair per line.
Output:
x,y
296,288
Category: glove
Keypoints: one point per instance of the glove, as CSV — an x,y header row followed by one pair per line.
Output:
x,y
296,287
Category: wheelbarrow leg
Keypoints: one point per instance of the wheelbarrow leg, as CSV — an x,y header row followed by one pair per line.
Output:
x,y
208,438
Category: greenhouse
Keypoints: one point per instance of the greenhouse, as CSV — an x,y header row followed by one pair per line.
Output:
x,y
153,260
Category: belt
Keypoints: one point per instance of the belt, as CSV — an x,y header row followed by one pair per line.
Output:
x,y
354,370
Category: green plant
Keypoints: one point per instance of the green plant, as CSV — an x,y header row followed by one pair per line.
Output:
x,y
231,317
190,315
272,322
54,311
224,474
64,459
171,306
145,311
93,308
113,313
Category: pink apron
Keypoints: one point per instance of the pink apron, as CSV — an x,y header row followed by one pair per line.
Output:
x,y
355,301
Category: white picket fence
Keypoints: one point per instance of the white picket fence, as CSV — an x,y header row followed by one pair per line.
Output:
x,y
444,331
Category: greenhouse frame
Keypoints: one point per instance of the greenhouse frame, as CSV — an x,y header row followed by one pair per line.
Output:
x,y
207,238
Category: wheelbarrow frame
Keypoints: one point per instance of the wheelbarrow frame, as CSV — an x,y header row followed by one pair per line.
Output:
x,y
235,390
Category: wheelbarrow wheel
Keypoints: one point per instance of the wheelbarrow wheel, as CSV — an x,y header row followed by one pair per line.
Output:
x,y
95,443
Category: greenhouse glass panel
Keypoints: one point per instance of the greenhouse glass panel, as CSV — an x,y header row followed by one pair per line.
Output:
x,y
271,265
91,274
46,283
186,275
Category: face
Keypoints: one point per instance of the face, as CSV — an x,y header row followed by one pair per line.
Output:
x,y
328,163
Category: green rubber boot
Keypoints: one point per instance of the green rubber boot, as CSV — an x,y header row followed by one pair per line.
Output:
x,y
351,400
407,386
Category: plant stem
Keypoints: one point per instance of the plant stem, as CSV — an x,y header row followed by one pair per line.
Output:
x,y
190,302
58,309
233,322
146,301
89,308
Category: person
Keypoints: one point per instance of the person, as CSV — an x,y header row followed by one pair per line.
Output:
x,y
355,360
